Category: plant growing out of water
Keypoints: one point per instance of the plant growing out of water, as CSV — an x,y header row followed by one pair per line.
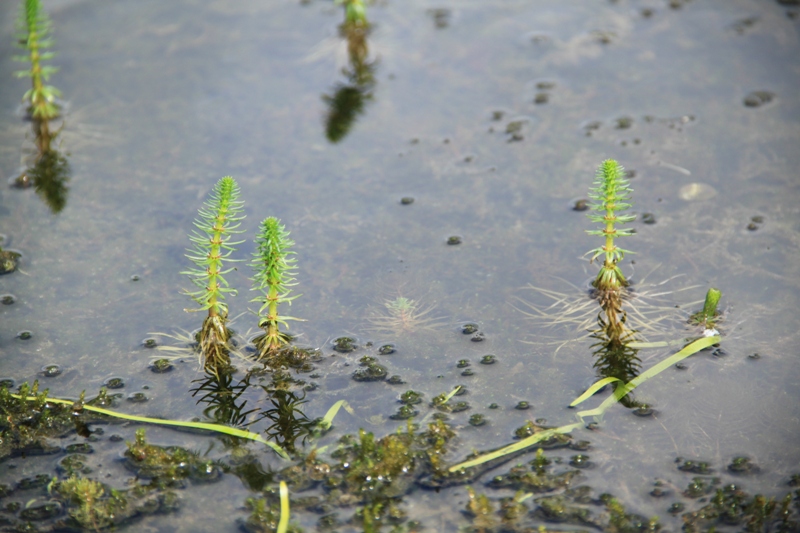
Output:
x,y
708,316
610,194
34,27
274,276
216,224
355,12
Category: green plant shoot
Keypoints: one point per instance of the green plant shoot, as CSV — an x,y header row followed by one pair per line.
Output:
x,y
610,194
212,246
274,269
708,316
355,12
34,27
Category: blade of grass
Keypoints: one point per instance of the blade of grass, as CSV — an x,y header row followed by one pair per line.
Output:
x,y
327,420
233,432
511,448
451,394
594,388
621,391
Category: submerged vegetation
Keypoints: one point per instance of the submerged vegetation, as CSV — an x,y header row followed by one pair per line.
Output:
x,y
403,316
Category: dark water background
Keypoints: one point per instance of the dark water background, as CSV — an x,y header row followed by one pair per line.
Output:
x,y
167,97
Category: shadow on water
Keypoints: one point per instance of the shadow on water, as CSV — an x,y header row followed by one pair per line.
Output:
x,y
347,100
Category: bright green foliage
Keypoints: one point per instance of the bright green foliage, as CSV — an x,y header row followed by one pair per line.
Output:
x,y
217,221
355,12
274,276
707,317
34,26
610,194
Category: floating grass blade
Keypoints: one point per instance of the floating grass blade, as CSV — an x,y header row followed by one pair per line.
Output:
x,y
621,391
593,389
233,432
274,276
327,420
34,26
283,523
450,394
517,446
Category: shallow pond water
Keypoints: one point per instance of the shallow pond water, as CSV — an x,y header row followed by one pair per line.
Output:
x,y
492,116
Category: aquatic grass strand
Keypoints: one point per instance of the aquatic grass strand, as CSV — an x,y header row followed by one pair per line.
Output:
x,y
283,523
355,12
618,393
233,432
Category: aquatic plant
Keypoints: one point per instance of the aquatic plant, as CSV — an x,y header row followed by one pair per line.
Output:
x,y
8,261
731,506
610,194
224,398
620,521
274,276
355,12
40,423
49,175
34,26
597,413
91,503
270,516
287,421
168,466
403,315
708,316
28,419
217,222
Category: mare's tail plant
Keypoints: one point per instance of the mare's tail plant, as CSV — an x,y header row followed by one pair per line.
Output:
x,y
355,13
610,194
216,223
34,27
274,276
